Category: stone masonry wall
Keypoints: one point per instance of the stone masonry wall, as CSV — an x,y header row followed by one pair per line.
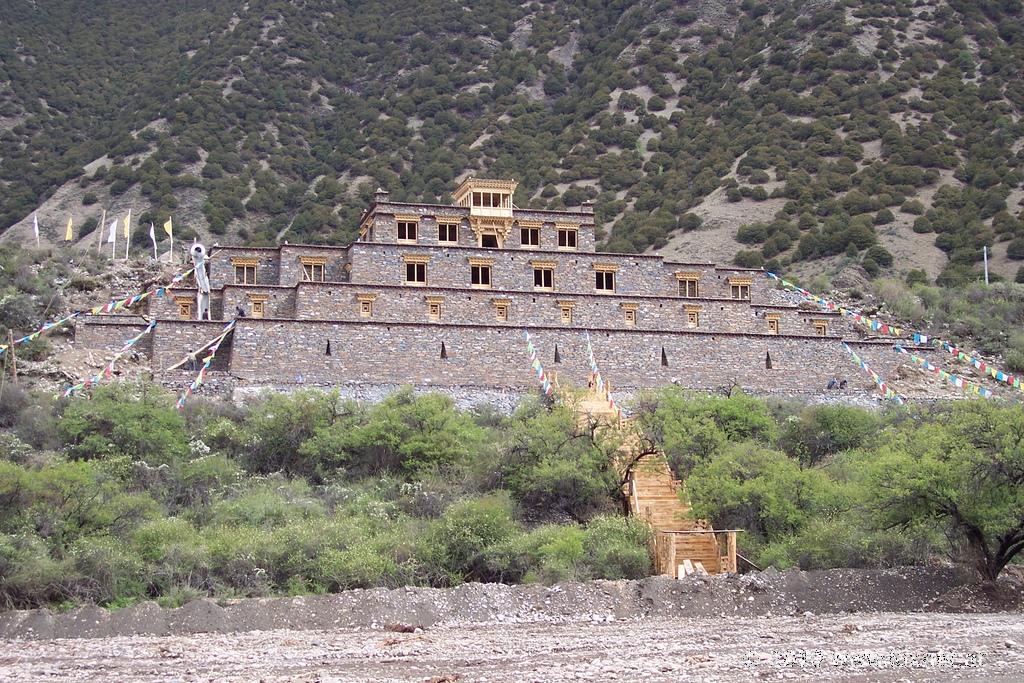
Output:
x,y
280,302
268,351
385,227
222,272
107,334
173,339
512,270
327,301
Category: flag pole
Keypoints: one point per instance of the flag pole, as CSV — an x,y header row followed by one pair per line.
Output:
x,y
99,233
152,237
113,244
127,233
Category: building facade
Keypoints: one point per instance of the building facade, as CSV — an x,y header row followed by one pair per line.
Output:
x,y
440,295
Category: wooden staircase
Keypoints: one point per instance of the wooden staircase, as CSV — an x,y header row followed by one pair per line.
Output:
x,y
681,545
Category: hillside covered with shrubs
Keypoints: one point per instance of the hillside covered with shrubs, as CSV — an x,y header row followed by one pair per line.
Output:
x,y
121,498
860,123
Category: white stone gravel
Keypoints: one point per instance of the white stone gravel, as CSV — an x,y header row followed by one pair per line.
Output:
x,y
943,647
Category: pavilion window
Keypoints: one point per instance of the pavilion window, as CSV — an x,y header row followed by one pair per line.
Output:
x,y
543,278
416,273
567,238
604,280
688,289
480,276
406,231
245,274
447,233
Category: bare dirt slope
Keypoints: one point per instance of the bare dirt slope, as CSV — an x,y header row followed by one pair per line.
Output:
x,y
855,647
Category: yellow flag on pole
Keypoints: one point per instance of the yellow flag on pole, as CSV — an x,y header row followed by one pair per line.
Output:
x,y
127,224
168,228
69,234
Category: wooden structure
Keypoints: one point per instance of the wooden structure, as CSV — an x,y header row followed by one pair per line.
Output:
x,y
681,545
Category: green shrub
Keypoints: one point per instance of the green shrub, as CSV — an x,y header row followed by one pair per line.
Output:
x,y
821,431
1015,249
457,543
748,259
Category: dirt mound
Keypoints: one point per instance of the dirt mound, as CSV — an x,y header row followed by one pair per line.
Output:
x,y
764,593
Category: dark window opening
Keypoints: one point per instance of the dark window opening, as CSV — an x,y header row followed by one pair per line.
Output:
x,y
664,357
327,351
558,357
489,241
444,352
480,276
767,360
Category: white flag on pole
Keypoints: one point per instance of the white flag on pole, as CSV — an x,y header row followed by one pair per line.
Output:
x,y
152,238
35,226
113,233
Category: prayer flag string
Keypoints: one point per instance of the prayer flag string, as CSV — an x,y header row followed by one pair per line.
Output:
x,y
595,371
201,377
956,380
108,370
542,377
1015,381
109,307
886,390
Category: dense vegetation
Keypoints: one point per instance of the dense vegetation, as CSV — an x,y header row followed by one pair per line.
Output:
x,y
281,118
121,498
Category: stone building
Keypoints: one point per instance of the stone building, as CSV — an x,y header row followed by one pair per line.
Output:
x,y
439,295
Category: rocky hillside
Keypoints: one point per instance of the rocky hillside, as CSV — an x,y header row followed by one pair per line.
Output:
x,y
808,136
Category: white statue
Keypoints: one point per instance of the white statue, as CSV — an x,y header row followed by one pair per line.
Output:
x,y
198,252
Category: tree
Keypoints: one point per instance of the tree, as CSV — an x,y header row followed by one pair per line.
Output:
x,y
965,468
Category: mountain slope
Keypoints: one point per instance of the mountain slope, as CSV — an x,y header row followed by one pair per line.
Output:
x,y
807,135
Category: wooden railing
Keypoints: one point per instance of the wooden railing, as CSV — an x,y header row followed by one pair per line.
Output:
x,y
667,563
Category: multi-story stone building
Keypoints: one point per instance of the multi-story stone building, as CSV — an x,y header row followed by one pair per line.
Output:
x,y
440,295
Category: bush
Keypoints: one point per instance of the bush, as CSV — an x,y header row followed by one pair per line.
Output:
x,y
457,543
884,217
748,258
821,431
913,207
1015,249
880,255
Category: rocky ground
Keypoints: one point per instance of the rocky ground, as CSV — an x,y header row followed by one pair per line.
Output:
x,y
891,625
851,647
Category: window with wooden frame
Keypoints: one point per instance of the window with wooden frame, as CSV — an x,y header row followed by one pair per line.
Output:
x,y
407,229
629,313
773,322
448,233
366,305
543,275
688,287
258,306
565,311
567,237
313,268
692,316
184,307
480,272
740,287
604,277
416,270
434,308
529,233
820,327
245,270
501,309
